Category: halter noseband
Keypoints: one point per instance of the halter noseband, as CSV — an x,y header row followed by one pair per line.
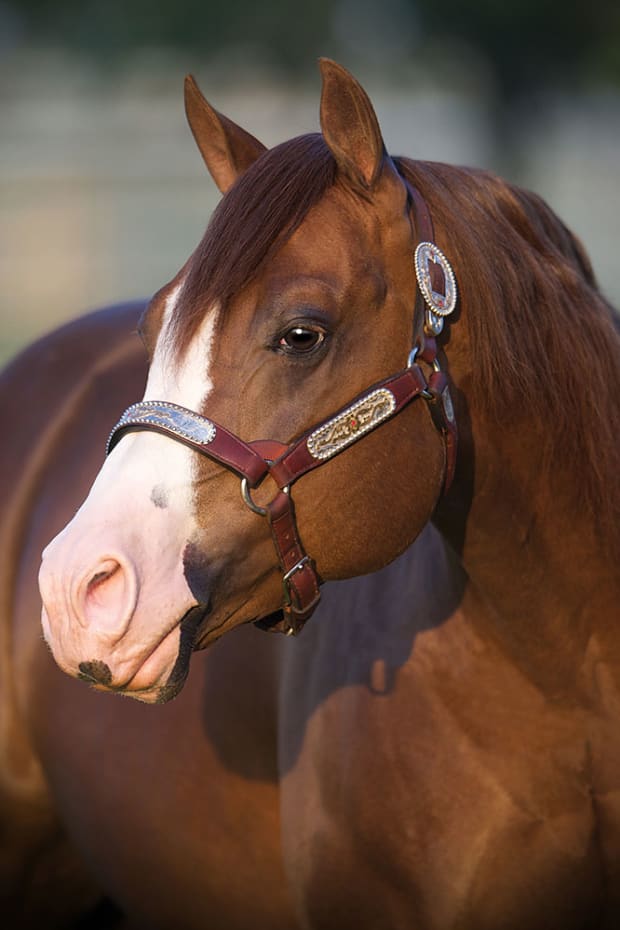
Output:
x,y
285,464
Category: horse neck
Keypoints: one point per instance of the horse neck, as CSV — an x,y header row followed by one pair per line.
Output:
x,y
541,578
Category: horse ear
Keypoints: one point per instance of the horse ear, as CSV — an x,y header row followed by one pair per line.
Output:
x,y
227,149
349,124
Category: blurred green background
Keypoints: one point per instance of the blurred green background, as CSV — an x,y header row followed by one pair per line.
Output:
x,y
103,194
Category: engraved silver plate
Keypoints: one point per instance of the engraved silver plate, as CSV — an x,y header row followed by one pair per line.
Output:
x,y
440,302
350,425
155,413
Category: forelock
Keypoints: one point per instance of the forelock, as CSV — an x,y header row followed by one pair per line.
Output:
x,y
253,220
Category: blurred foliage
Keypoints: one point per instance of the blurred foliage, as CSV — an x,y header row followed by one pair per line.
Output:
x,y
527,44
289,33
535,42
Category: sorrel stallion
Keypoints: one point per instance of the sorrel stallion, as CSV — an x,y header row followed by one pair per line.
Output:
x,y
440,748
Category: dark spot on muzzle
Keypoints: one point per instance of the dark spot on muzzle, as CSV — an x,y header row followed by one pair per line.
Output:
x,y
95,672
196,571
159,496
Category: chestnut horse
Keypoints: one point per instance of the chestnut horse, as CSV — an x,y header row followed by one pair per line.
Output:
x,y
440,747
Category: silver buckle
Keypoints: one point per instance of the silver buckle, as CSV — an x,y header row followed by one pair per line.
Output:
x,y
286,578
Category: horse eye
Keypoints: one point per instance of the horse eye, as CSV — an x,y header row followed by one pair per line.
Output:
x,y
300,340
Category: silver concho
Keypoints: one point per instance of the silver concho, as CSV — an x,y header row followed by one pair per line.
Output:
x,y
350,425
440,303
154,413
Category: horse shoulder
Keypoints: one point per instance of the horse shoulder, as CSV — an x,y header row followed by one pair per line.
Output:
x,y
411,771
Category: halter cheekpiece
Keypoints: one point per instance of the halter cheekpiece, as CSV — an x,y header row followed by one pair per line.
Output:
x,y
435,298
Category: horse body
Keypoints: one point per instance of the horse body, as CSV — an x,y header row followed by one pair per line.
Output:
x,y
439,749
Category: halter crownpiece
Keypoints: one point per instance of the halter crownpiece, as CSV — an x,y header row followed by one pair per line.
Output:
x,y
285,464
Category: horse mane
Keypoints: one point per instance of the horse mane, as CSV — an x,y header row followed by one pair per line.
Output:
x,y
545,343
544,340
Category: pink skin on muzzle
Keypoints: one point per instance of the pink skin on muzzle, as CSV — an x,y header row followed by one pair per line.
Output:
x,y
112,582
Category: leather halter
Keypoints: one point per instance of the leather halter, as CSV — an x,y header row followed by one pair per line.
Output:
x,y
285,464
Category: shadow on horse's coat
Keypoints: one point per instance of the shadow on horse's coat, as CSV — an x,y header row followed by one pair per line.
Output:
x,y
439,748
358,655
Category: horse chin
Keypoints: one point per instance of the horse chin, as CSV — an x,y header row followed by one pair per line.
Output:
x,y
162,689
158,694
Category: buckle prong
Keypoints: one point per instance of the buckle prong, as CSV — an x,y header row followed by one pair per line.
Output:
x,y
297,567
286,579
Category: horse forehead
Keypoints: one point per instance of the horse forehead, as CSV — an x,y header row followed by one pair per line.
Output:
x,y
341,260
348,232
333,243
340,215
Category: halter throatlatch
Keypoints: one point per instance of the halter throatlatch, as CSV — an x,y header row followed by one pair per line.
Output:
x,y
285,464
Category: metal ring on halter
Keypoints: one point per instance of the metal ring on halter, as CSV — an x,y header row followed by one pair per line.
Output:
x,y
247,498
436,366
412,356
411,361
245,494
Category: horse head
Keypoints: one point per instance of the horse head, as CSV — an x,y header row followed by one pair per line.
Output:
x,y
298,300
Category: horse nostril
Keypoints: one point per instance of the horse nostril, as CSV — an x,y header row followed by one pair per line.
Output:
x,y
105,598
95,672
107,572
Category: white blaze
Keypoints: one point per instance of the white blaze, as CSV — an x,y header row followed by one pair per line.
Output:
x,y
144,461
190,384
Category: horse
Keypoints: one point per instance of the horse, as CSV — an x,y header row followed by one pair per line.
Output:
x,y
381,412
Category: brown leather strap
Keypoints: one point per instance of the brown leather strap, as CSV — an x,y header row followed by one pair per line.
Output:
x,y
423,231
234,453
428,349
301,584
440,403
298,460
442,411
